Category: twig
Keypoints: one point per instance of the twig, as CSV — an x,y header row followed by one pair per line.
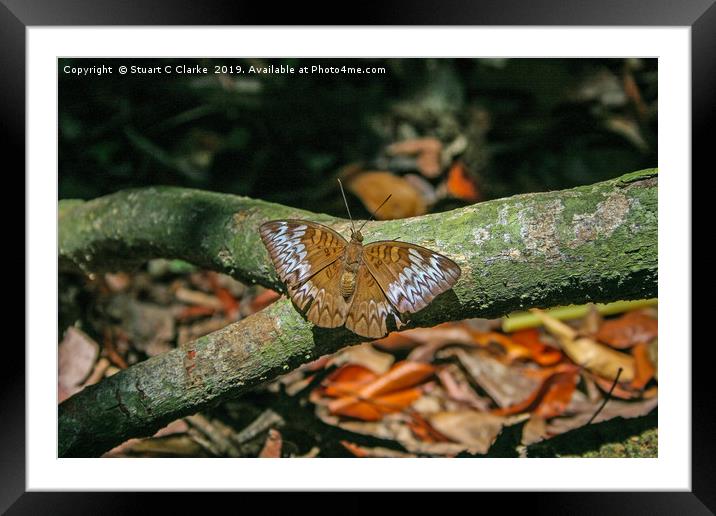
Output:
x,y
266,420
607,398
221,442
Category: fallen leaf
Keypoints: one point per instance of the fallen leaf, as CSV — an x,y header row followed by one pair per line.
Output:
x,y
628,330
401,376
512,350
505,384
229,304
373,187
264,299
77,355
365,355
458,389
347,380
387,393
535,430
427,150
588,353
187,313
423,430
622,391
583,409
541,353
476,430
195,297
272,446
363,451
374,408
395,341
552,396
145,323
460,184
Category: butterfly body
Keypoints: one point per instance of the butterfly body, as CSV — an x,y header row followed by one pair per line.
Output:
x,y
342,282
352,260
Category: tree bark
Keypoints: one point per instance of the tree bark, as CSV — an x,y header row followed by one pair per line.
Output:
x,y
593,243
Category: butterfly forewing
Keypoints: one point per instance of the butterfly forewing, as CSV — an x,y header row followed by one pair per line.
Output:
x,y
411,276
299,249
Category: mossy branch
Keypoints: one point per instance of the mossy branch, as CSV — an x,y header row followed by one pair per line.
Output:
x,y
594,243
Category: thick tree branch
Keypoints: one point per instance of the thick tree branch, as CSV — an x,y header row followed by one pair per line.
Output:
x,y
593,243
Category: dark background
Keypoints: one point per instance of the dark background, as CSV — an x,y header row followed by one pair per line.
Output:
x,y
531,124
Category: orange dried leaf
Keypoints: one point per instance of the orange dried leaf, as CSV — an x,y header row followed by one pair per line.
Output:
x,y
621,390
356,450
541,353
390,392
373,409
263,300
628,330
347,380
460,184
228,302
192,312
373,187
272,446
395,341
401,376
558,395
552,396
512,350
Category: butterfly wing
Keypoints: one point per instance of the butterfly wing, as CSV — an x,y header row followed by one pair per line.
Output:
x,y
370,308
306,256
411,276
299,249
329,308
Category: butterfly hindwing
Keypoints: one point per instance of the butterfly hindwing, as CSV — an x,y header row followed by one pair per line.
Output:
x,y
299,249
328,308
411,276
370,308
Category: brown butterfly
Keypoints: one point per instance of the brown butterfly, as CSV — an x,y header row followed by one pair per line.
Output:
x,y
352,284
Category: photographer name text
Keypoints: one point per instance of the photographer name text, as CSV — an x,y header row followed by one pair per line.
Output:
x,y
181,69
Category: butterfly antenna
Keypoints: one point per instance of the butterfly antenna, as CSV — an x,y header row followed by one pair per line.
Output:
x,y
346,203
376,211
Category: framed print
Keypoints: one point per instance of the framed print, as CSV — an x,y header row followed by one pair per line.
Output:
x,y
431,240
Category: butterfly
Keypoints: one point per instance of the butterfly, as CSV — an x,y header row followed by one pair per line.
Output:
x,y
343,282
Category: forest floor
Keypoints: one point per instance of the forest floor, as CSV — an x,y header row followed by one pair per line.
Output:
x,y
496,388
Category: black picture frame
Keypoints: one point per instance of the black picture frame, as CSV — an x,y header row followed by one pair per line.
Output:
x,y
17,15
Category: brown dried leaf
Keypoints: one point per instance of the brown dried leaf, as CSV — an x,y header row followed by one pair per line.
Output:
x,y
77,355
628,330
506,385
365,355
476,430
